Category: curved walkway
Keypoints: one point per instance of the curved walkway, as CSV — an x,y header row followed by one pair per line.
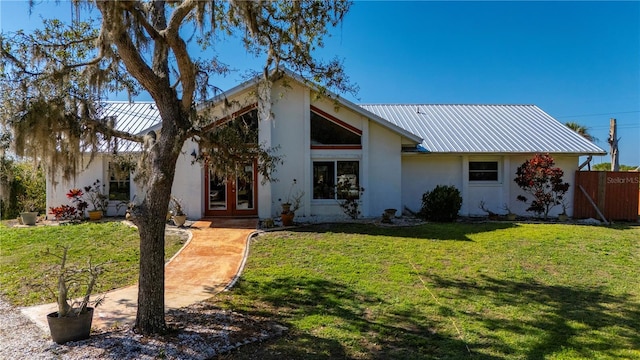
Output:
x,y
209,262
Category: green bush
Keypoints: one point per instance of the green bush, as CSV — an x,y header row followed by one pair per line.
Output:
x,y
25,185
441,204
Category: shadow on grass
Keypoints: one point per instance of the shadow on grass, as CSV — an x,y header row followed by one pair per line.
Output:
x,y
586,322
328,320
430,231
624,225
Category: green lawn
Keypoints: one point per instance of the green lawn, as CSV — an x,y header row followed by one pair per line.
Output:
x,y
24,270
445,291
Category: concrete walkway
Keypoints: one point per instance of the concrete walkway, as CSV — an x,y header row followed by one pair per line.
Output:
x,y
205,266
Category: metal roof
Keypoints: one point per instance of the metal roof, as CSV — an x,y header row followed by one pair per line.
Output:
x,y
484,128
442,128
133,117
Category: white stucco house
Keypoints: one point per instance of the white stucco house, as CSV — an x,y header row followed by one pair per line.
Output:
x,y
396,152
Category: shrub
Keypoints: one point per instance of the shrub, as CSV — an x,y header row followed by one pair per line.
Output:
x,y
64,212
24,187
349,197
539,178
441,204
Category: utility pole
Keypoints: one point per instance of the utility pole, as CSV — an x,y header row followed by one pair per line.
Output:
x,y
613,141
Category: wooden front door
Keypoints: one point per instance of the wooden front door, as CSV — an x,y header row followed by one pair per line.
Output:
x,y
231,196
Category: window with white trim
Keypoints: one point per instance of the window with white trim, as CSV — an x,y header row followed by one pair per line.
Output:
x,y
328,174
483,171
119,182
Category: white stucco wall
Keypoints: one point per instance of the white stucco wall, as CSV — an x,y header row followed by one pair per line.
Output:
x,y
289,131
188,183
97,169
57,193
423,172
384,176
380,166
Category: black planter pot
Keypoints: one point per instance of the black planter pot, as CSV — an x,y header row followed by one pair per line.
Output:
x,y
73,328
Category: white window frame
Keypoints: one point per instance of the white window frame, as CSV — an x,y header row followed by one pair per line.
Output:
x,y
335,162
498,171
108,183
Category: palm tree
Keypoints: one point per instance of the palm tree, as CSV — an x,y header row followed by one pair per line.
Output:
x,y
581,130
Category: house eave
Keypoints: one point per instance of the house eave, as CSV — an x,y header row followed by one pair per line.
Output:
x,y
342,101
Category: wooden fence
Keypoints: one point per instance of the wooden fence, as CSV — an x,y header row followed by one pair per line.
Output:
x,y
615,194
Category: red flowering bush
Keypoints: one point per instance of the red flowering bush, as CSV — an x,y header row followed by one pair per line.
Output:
x,y
68,212
64,212
75,195
95,195
539,178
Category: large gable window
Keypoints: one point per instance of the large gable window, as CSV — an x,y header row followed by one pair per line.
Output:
x,y
483,171
242,125
246,125
329,131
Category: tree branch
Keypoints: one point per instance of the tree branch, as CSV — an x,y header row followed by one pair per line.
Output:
x,y
186,66
142,20
104,129
128,52
4,53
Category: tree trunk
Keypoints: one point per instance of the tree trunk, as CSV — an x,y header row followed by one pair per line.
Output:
x,y
150,315
151,226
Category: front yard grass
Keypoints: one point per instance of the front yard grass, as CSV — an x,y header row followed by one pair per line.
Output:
x,y
25,271
445,291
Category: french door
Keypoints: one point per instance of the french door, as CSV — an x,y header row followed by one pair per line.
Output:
x,y
231,195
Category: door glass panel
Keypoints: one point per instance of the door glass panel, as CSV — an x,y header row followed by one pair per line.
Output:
x,y
217,192
244,189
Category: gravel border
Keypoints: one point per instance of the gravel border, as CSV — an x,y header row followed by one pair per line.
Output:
x,y
200,331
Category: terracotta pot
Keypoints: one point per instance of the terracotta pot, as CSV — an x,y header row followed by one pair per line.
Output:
x,y
72,328
287,218
286,207
95,215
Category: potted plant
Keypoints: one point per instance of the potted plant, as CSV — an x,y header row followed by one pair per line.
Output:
x,y
74,287
129,212
29,215
492,215
97,198
179,217
388,214
510,216
290,205
563,215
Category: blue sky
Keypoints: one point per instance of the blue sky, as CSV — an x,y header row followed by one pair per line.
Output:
x,y
578,61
